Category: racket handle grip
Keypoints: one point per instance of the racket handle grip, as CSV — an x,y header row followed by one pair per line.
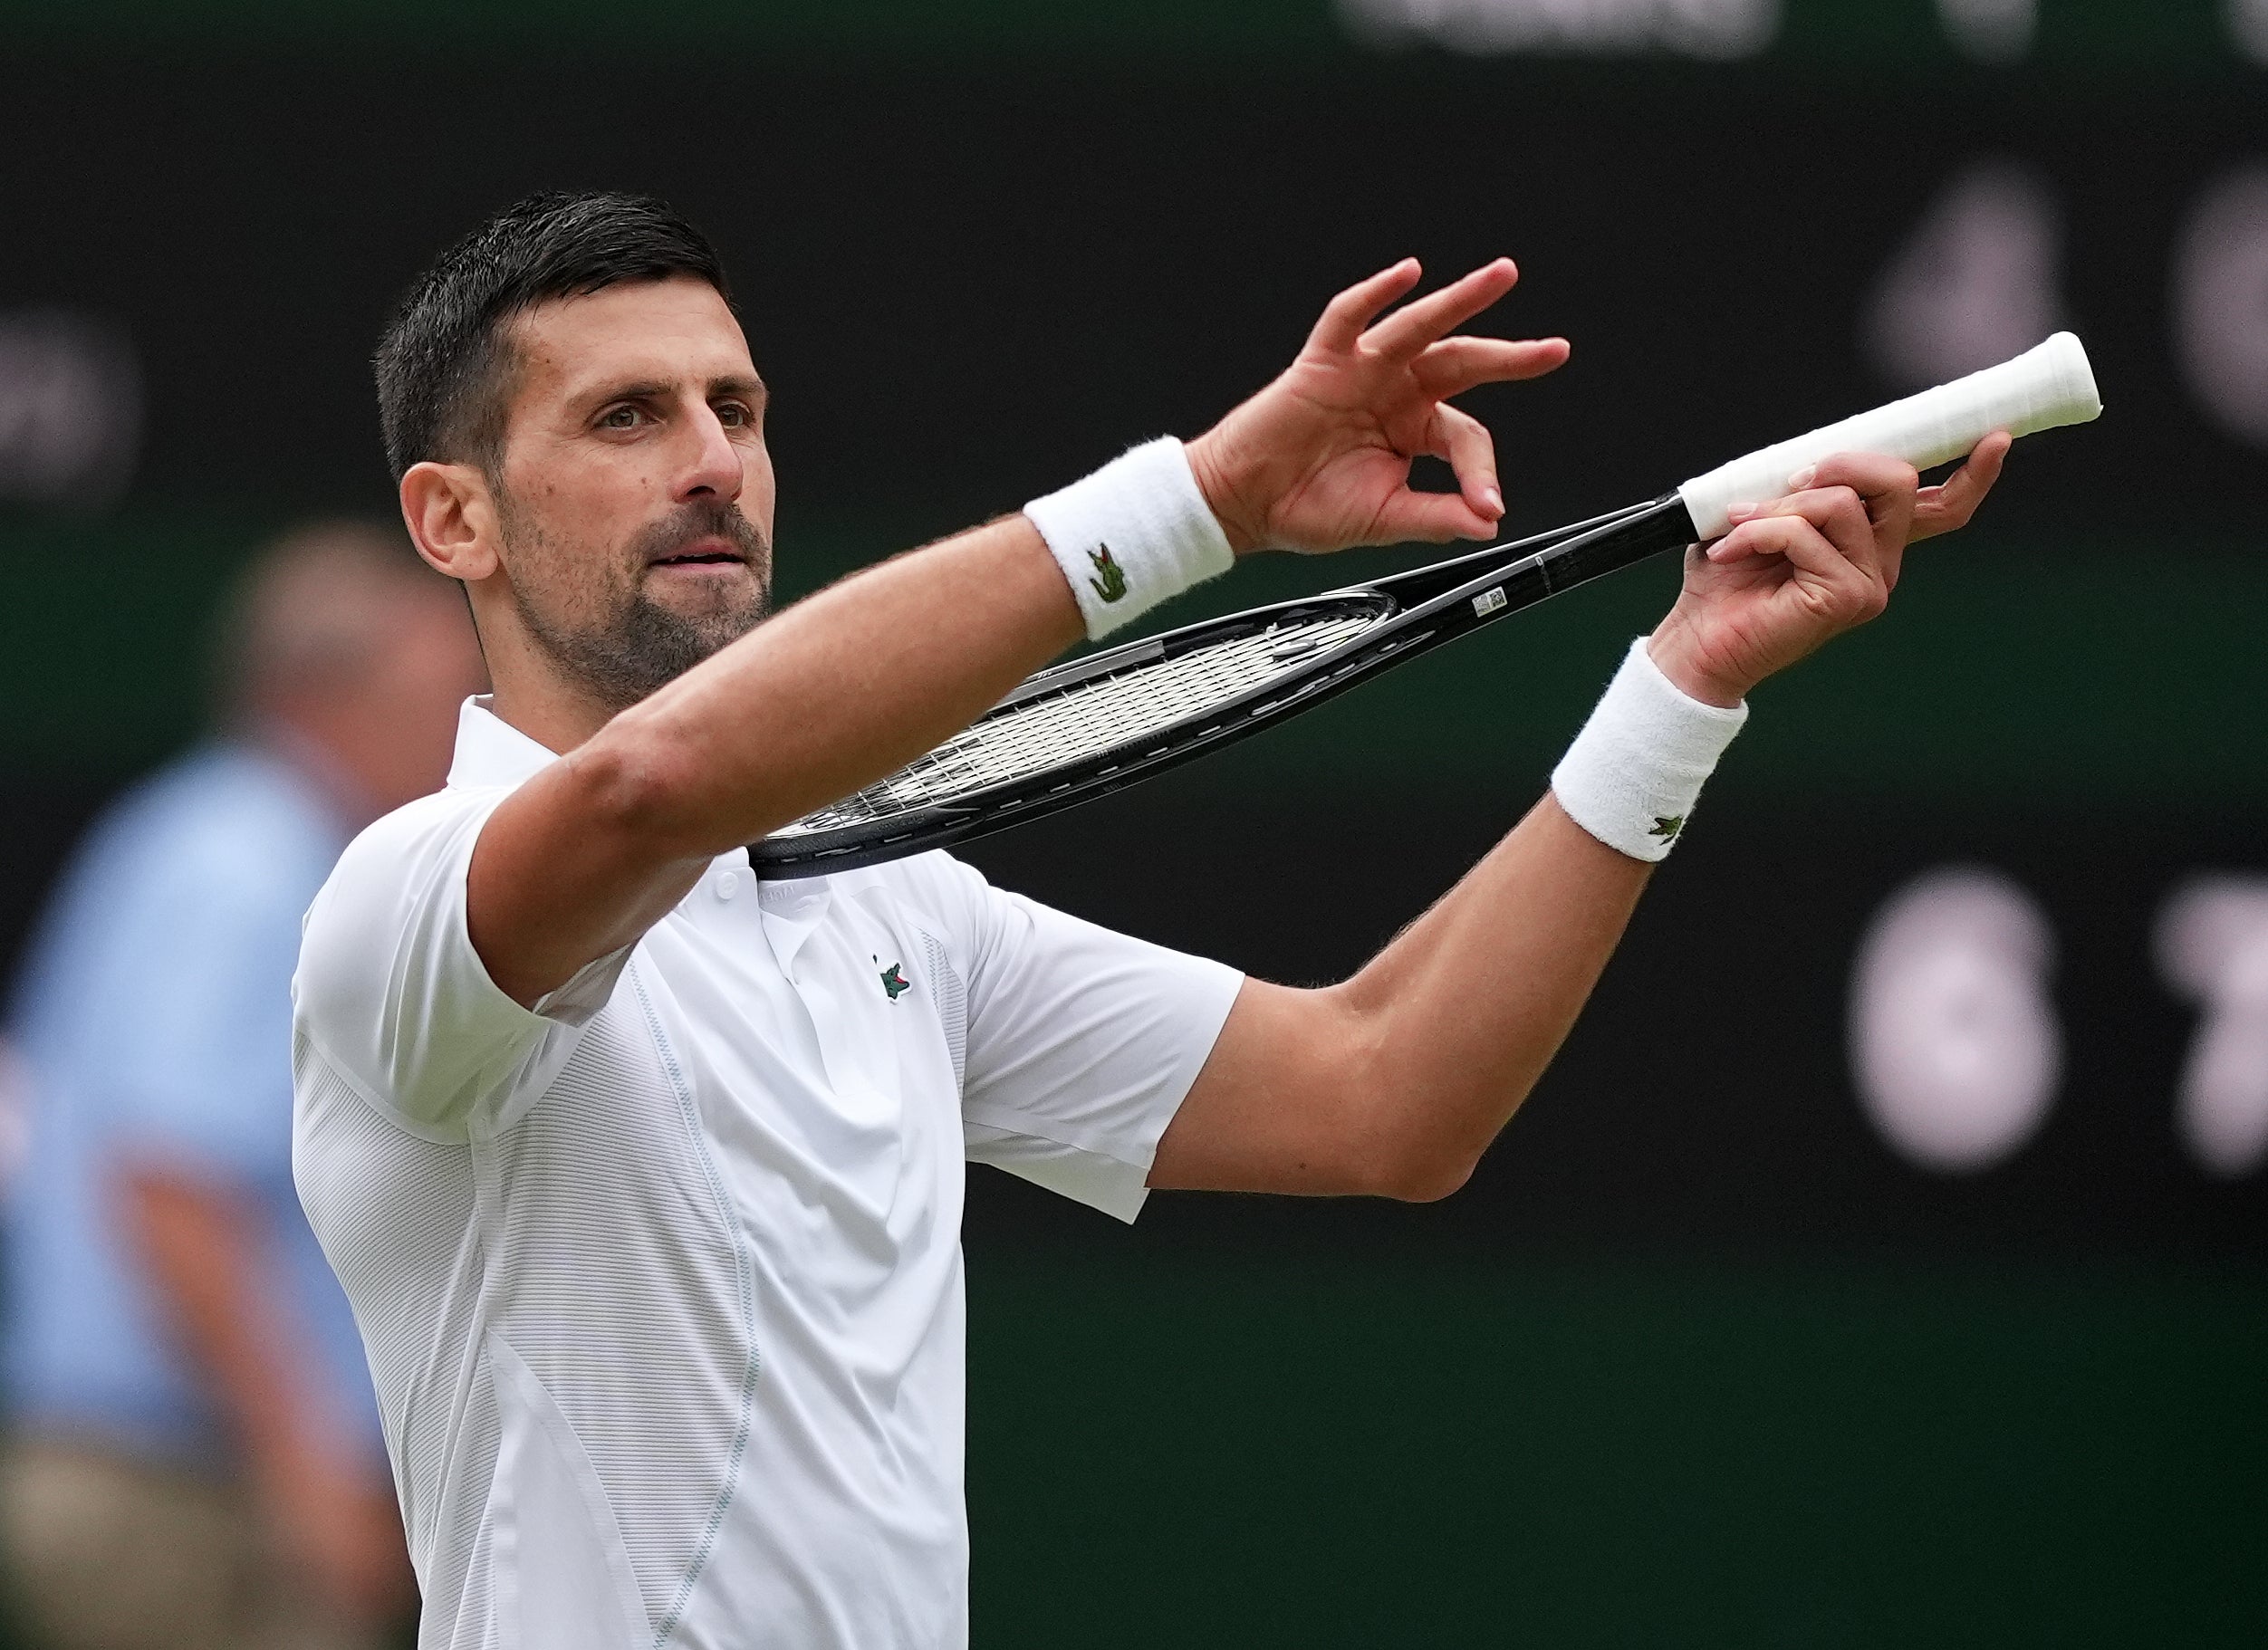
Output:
x,y
2047,386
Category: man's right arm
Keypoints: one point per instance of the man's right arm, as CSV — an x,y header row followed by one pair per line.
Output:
x,y
846,686
816,702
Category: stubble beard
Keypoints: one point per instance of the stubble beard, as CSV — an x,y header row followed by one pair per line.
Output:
x,y
639,646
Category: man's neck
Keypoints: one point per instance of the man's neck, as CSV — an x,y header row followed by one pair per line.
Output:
x,y
529,692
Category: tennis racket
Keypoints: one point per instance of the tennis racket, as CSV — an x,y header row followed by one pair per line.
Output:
x,y
1099,724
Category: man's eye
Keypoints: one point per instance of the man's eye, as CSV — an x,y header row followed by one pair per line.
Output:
x,y
619,417
732,415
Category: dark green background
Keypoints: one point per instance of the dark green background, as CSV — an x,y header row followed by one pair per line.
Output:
x,y
1697,1359
1221,1451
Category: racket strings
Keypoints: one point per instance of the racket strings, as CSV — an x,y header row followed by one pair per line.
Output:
x,y
1100,714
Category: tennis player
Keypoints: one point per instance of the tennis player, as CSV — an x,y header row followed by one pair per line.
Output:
x,y
644,1178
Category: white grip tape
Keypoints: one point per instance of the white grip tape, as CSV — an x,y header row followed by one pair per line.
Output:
x,y
2047,386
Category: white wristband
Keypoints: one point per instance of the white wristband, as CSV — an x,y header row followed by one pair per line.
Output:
x,y
1632,776
1136,532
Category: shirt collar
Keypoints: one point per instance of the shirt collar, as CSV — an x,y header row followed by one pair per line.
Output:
x,y
491,752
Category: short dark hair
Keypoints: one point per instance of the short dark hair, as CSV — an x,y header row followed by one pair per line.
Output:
x,y
444,367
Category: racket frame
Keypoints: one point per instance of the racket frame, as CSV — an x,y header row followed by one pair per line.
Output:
x,y
1416,611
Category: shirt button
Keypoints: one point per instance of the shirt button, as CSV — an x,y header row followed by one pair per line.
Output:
x,y
728,885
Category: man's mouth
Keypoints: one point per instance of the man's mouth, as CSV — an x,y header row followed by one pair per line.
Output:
x,y
703,552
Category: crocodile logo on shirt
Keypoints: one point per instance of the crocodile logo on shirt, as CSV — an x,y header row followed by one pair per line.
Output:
x,y
1667,825
1110,582
893,983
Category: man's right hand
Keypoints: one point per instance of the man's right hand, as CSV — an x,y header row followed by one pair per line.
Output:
x,y
1796,572
1320,459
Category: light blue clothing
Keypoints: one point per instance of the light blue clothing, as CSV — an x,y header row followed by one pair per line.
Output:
x,y
154,1017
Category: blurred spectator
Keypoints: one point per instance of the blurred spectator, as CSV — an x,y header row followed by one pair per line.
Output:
x,y
196,1459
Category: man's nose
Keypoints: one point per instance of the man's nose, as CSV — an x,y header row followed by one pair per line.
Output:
x,y
713,465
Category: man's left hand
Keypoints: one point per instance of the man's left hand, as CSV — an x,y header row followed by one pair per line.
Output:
x,y
1800,570
1320,459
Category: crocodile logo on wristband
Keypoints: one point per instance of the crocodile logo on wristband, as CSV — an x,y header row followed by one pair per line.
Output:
x,y
1667,825
1110,581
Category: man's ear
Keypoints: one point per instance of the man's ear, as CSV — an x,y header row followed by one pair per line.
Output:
x,y
452,518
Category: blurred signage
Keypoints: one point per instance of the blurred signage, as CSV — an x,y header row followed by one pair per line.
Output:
x,y
1707,29
1957,1046
1995,31
2060,1042
2118,38
1955,1049
2213,949
1980,277
1832,1028
2248,26
2220,302
70,408
1730,269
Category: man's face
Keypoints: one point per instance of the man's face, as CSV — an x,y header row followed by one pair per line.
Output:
x,y
635,494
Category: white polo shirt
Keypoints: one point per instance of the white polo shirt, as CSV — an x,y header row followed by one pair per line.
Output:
x,y
661,1281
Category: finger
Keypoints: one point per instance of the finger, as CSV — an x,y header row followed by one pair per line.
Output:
x,y
1838,514
1456,365
1415,325
1837,588
1429,518
1464,441
1345,316
1951,504
1887,486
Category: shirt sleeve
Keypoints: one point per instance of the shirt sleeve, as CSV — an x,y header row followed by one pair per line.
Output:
x,y
390,991
1082,1044
201,1069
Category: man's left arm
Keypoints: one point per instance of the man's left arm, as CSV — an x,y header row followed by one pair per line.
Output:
x,y
1396,1081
